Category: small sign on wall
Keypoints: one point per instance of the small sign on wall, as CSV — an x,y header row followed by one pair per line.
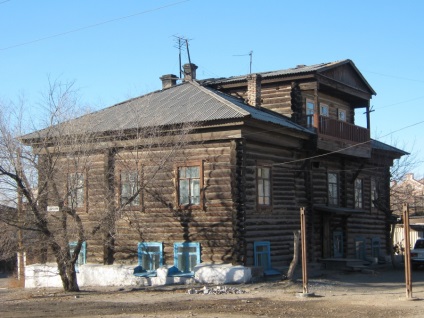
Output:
x,y
52,208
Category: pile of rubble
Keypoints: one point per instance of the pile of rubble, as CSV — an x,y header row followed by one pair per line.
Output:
x,y
219,290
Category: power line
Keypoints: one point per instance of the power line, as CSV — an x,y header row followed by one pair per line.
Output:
x,y
92,25
5,1
397,77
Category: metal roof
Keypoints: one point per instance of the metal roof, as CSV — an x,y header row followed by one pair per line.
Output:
x,y
378,145
186,103
300,69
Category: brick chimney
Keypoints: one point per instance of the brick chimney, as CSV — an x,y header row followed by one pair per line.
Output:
x,y
168,80
189,72
254,90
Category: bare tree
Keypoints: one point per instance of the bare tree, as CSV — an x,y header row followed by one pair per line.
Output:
x,y
46,175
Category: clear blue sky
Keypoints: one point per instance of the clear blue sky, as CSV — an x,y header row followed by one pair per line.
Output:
x,y
115,50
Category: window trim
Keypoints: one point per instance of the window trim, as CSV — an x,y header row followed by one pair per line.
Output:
x,y
177,167
186,255
337,184
143,272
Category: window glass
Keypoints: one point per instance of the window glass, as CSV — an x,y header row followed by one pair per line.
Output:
x,y
342,115
150,256
264,185
324,110
186,256
309,113
262,254
358,193
82,254
189,185
76,190
333,188
130,187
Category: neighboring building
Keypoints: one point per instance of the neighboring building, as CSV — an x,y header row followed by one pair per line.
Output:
x,y
264,146
409,191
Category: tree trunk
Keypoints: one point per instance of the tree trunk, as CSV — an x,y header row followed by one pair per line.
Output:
x,y
293,264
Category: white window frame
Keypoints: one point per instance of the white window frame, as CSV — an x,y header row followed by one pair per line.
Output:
x,y
324,110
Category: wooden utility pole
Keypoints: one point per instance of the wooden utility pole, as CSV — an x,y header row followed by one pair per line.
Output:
x,y
407,252
304,251
21,257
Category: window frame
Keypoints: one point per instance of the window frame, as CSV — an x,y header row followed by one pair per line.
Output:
x,y
82,256
309,112
259,180
375,246
374,191
186,256
141,251
190,205
331,198
136,203
84,190
341,115
358,193
257,253
324,110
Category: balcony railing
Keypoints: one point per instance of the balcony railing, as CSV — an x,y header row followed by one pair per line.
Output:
x,y
341,130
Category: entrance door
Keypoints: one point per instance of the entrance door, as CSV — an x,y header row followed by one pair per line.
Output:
x,y
338,244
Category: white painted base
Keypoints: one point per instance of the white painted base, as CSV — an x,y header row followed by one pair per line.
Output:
x,y
46,275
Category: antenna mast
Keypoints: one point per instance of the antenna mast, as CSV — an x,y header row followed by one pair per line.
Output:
x,y
180,42
251,59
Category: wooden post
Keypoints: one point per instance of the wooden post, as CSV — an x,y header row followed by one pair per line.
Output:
x,y
304,251
407,253
20,256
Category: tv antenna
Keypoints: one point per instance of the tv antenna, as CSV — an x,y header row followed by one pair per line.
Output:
x,y
181,43
251,57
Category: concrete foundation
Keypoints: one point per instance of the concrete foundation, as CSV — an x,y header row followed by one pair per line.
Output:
x,y
46,275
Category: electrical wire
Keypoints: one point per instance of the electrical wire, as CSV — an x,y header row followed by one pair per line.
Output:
x,y
92,25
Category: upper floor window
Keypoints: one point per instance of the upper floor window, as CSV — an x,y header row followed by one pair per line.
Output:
x,y
324,110
333,188
264,185
190,180
342,115
310,109
374,193
358,193
129,188
76,189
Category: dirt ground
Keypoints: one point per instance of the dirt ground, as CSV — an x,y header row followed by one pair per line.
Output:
x,y
377,293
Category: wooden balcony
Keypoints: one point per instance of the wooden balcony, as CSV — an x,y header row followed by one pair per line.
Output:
x,y
337,135
342,130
